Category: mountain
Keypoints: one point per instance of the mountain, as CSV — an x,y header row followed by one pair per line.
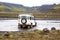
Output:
x,y
15,7
11,7
55,9
45,7
57,6
8,7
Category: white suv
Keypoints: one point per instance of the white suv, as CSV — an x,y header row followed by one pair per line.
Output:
x,y
26,21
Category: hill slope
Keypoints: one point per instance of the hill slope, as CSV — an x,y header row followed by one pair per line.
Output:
x,y
55,9
10,7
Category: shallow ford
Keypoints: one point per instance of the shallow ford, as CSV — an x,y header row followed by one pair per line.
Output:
x,y
26,21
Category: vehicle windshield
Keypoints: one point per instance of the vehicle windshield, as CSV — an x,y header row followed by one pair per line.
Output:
x,y
31,18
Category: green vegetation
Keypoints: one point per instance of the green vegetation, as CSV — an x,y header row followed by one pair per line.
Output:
x,y
32,35
2,7
10,9
57,7
36,14
8,14
5,8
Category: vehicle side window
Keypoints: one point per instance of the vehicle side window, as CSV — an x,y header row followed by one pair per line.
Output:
x,y
31,18
23,17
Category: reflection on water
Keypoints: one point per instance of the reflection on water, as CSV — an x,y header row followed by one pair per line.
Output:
x,y
12,25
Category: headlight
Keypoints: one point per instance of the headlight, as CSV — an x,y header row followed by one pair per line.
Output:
x,y
23,21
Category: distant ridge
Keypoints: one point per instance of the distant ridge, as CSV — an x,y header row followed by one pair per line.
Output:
x,y
8,7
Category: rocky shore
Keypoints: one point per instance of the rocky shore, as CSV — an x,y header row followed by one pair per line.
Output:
x,y
31,35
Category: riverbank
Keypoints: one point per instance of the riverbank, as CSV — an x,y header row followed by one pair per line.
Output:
x,y
8,18
38,15
31,35
35,18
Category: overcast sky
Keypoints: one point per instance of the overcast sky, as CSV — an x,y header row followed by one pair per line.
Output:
x,y
32,2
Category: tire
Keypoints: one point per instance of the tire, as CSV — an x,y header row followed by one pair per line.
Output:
x,y
29,27
19,26
35,24
24,20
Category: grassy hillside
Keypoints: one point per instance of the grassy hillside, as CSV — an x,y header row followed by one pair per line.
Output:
x,y
56,7
10,9
4,8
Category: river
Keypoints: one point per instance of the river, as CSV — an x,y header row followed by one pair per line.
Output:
x,y
12,25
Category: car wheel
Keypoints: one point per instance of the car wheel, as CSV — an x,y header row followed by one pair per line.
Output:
x,y
35,24
19,26
23,21
23,26
29,27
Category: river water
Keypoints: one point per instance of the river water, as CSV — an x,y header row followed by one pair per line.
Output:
x,y
12,25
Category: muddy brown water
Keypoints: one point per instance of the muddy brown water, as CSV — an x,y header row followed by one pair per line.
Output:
x,y
12,25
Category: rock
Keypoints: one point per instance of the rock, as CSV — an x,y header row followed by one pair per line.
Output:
x,y
45,30
6,34
53,28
